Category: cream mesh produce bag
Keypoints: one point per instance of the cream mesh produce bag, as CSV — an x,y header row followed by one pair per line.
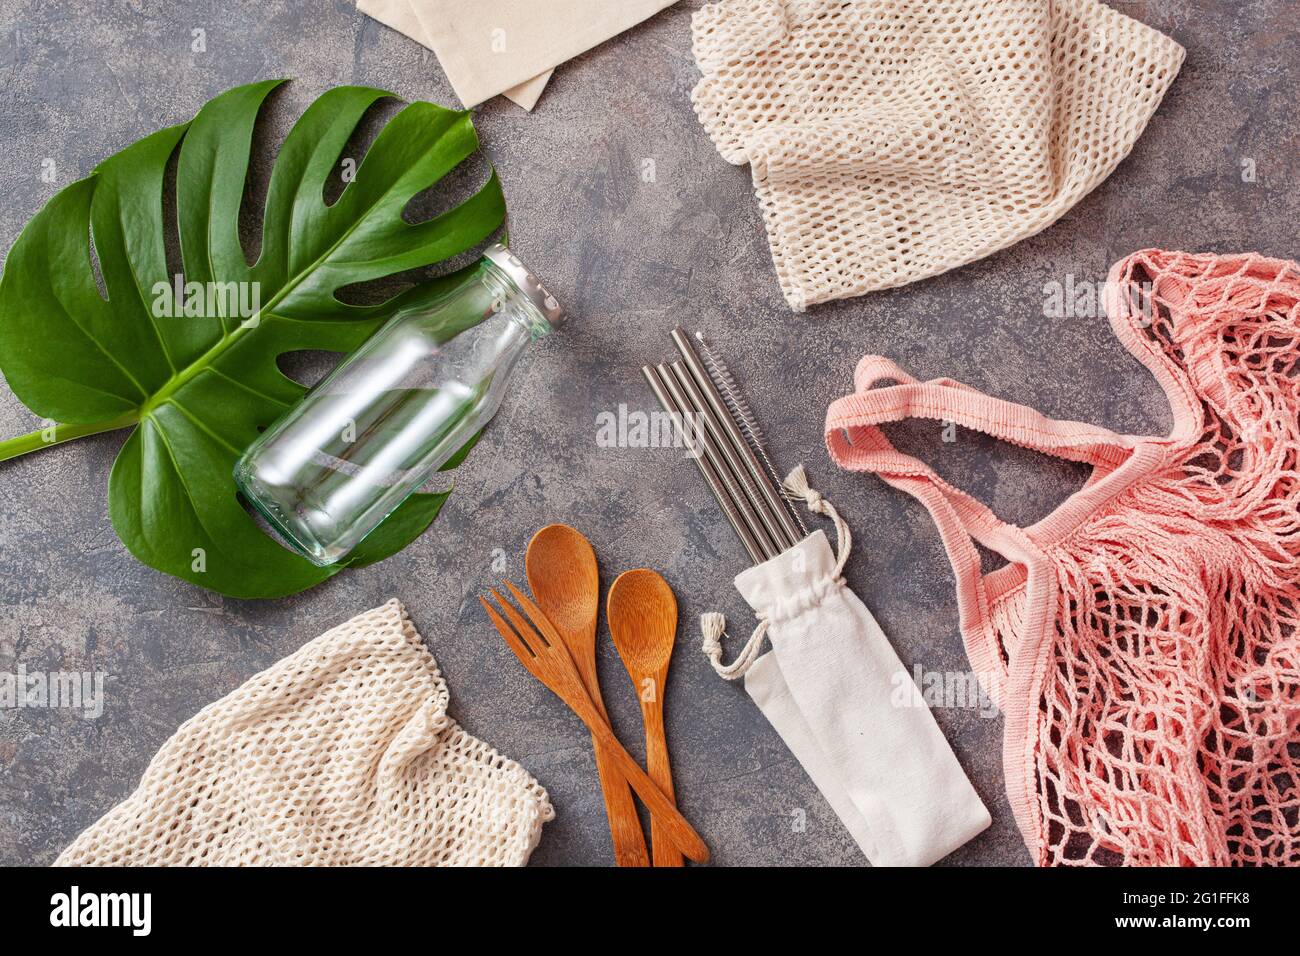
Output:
x,y
340,754
891,140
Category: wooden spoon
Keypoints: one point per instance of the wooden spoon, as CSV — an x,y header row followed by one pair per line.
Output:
x,y
642,615
565,582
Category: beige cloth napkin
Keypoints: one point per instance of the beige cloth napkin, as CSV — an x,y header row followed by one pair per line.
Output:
x,y
400,15
488,47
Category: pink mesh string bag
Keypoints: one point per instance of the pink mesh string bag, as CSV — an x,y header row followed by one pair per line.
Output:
x,y
1143,640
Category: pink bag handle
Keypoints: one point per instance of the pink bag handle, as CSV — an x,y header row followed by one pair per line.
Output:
x,y
856,443
947,400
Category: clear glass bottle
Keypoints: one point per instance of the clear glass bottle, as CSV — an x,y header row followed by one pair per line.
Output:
x,y
376,428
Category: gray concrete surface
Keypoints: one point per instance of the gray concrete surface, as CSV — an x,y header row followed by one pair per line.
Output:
x,y
630,258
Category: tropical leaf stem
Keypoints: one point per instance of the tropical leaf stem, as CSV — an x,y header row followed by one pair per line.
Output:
x,y
56,434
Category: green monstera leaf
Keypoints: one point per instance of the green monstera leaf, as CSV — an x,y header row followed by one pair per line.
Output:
x,y
196,390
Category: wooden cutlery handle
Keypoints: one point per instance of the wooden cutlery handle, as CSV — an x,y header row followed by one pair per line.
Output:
x,y
659,769
624,824
673,824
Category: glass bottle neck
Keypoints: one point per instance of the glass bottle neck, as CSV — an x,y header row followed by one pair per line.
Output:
x,y
507,298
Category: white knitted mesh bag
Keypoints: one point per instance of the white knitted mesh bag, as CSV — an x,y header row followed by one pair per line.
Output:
x,y
891,140
340,754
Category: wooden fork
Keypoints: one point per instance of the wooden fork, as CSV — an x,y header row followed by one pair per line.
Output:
x,y
546,658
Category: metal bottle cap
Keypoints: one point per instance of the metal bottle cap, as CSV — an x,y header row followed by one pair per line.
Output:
x,y
527,282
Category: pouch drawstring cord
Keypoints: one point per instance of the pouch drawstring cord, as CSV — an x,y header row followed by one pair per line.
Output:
x,y
713,626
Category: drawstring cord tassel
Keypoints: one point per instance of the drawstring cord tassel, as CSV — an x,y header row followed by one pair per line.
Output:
x,y
713,627
796,488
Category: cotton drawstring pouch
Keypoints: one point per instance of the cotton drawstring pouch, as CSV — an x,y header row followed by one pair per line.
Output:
x,y
341,754
830,687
